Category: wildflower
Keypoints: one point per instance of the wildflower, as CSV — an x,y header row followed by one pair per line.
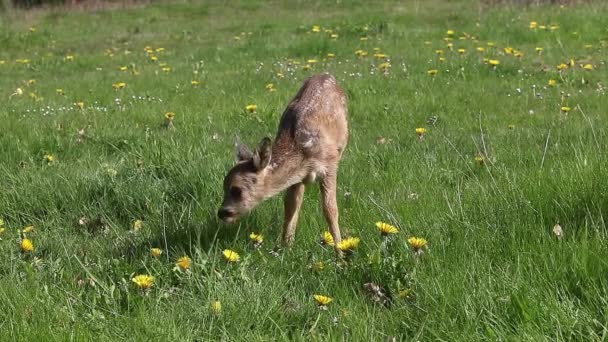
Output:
x,y
420,131
511,126
143,281
349,245
119,85
380,55
216,306
565,109
256,238
269,87
417,244
518,54
439,52
167,69
195,83
311,61
562,66
533,25
331,55
138,224
322,300
490,44
554,27
480,159
49,158
432,72
26,245
184,263
2,229
552,83
386,229
251,108
32,29
316,28
231,256
156,252
169,116
481,49
588,66
384,66
493,62
334,36
69,57
450,32
509,50
160,49
327,239
363,39
539,49
59,91
153,58
462,51
572,62
28,229
18,92
80,105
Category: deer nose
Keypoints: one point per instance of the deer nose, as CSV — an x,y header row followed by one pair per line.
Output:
x,y
223,213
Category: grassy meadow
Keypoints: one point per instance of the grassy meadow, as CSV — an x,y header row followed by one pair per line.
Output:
x,y
478,129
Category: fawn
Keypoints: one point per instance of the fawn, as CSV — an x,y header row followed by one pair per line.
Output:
x,y
312,135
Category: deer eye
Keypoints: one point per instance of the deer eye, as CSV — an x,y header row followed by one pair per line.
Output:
x,y
235,192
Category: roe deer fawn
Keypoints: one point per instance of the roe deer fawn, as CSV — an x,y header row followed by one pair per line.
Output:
x,y
311,138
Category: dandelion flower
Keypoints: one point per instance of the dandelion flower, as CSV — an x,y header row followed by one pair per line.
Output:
x,y
588,66
480,159
184,263
420,131
166,69
28,229
231,256
481,49
562,66
123,68
119,85
493,62
539,49
565,109
138,224
533,25
385,66
450,32
331,55
316,28
462,51
511,126
322,300
59,91
269,86
216,306
49,158
432,72
27,246
143,281
195,83
327,239
2,229
79,105
256,238
169,116
252,108
552,83
156,252
416,243
386,229
349,245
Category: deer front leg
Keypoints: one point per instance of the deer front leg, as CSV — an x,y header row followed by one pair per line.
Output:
x,y
330,206
292,203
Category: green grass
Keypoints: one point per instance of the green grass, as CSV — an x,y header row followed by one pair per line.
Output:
x,y
493,269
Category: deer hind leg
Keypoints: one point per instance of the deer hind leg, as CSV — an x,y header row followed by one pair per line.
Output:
x,y
292,202
330,205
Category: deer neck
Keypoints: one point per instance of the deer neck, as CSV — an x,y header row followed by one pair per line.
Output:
x,y
287,167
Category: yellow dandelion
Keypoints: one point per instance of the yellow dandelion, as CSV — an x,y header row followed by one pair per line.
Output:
x,y
439,52
138,224
349,245
316,28
562,66
363,39
123,68
49,158
432,72
256,238
333,36
160,49
31,82
169,116
511,126
386,229
27,246
416,243
69,57
143,281
2,229
565,109
59,91
167,69
385,66
153,58
156,252
322,300
79,105
481,49
533,25
195,83
588,66
331,55
252,108
28,229
327,239
539,49
420,131
184,263
216,306
518,54
493,62
462,51
480,159
450,32
231,256
119,85
552,83
509,50
269,86
380,55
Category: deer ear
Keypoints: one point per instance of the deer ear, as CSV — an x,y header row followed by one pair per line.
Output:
x,y
261,157
242,151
